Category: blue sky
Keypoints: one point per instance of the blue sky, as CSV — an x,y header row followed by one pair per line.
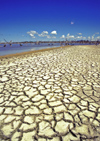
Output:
x,y
40,20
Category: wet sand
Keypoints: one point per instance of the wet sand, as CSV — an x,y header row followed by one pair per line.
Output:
x,y
51,95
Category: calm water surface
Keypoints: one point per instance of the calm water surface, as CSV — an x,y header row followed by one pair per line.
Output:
x,y
16,48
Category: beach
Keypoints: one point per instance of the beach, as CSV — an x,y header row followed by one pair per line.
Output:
x,y
51,95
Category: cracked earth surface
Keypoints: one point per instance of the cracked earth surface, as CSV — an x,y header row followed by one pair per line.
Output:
x,y
51,96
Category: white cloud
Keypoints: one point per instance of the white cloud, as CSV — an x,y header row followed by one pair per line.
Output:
x,y
70,36
79,33
72,22
98,38
33,36
84,38
63,36
79,37
32,33
97,33
40,35
54,32
48,36
43,34
89,37
94,35
54,37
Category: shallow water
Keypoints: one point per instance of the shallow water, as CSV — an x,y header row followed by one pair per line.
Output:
x,y
16,48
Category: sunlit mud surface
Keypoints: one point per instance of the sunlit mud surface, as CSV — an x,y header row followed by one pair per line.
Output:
x,y
51,96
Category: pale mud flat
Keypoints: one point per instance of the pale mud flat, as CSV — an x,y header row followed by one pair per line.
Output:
x,y
51,96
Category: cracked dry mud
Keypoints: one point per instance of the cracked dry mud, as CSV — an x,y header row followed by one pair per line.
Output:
x,y
51,96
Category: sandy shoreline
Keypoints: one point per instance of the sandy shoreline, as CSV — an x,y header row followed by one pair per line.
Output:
x,y
51,95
